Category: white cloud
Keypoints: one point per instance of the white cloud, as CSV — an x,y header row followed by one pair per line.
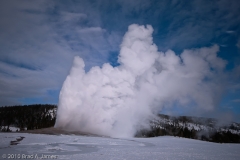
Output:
x,y
72,17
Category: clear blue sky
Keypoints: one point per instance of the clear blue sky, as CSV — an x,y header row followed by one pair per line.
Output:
x,y
39,39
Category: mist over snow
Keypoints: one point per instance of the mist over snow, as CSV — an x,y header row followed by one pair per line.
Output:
x,y
118,101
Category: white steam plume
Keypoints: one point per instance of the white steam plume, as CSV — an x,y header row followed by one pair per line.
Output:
x,y
117,101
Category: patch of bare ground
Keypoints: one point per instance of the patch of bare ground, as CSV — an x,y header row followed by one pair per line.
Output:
x,y
15,142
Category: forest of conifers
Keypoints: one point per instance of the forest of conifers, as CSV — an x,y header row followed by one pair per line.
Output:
x,y
27,117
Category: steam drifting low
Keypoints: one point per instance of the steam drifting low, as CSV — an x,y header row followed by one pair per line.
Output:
x,y
118,101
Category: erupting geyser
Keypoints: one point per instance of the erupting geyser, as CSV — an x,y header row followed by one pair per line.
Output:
x,y
118,101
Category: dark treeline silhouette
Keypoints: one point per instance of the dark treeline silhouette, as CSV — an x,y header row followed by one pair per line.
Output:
x,y
205,129
27,117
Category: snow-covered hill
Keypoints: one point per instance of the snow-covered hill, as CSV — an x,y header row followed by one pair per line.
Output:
x,y
193,127
195,123
33,146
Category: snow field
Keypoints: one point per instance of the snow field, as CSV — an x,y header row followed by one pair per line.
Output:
x,y
88,147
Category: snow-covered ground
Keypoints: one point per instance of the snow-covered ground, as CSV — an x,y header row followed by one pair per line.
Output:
x,y
34,146
12,128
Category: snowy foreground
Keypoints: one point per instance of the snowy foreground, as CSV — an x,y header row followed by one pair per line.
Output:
x,y
39,146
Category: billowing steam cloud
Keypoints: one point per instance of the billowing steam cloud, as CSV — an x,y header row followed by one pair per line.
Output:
x,y
117,101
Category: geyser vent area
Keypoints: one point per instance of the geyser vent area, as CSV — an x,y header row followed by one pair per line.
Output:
x,y
118,101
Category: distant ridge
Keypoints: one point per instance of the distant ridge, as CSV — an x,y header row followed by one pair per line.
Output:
x,y
207,129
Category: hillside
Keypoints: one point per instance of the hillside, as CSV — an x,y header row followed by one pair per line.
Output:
x,y
206,129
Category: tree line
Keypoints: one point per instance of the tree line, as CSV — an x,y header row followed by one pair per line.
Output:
x,y
27,117
212,133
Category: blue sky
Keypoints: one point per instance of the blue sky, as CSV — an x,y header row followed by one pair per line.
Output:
x,y
39,40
